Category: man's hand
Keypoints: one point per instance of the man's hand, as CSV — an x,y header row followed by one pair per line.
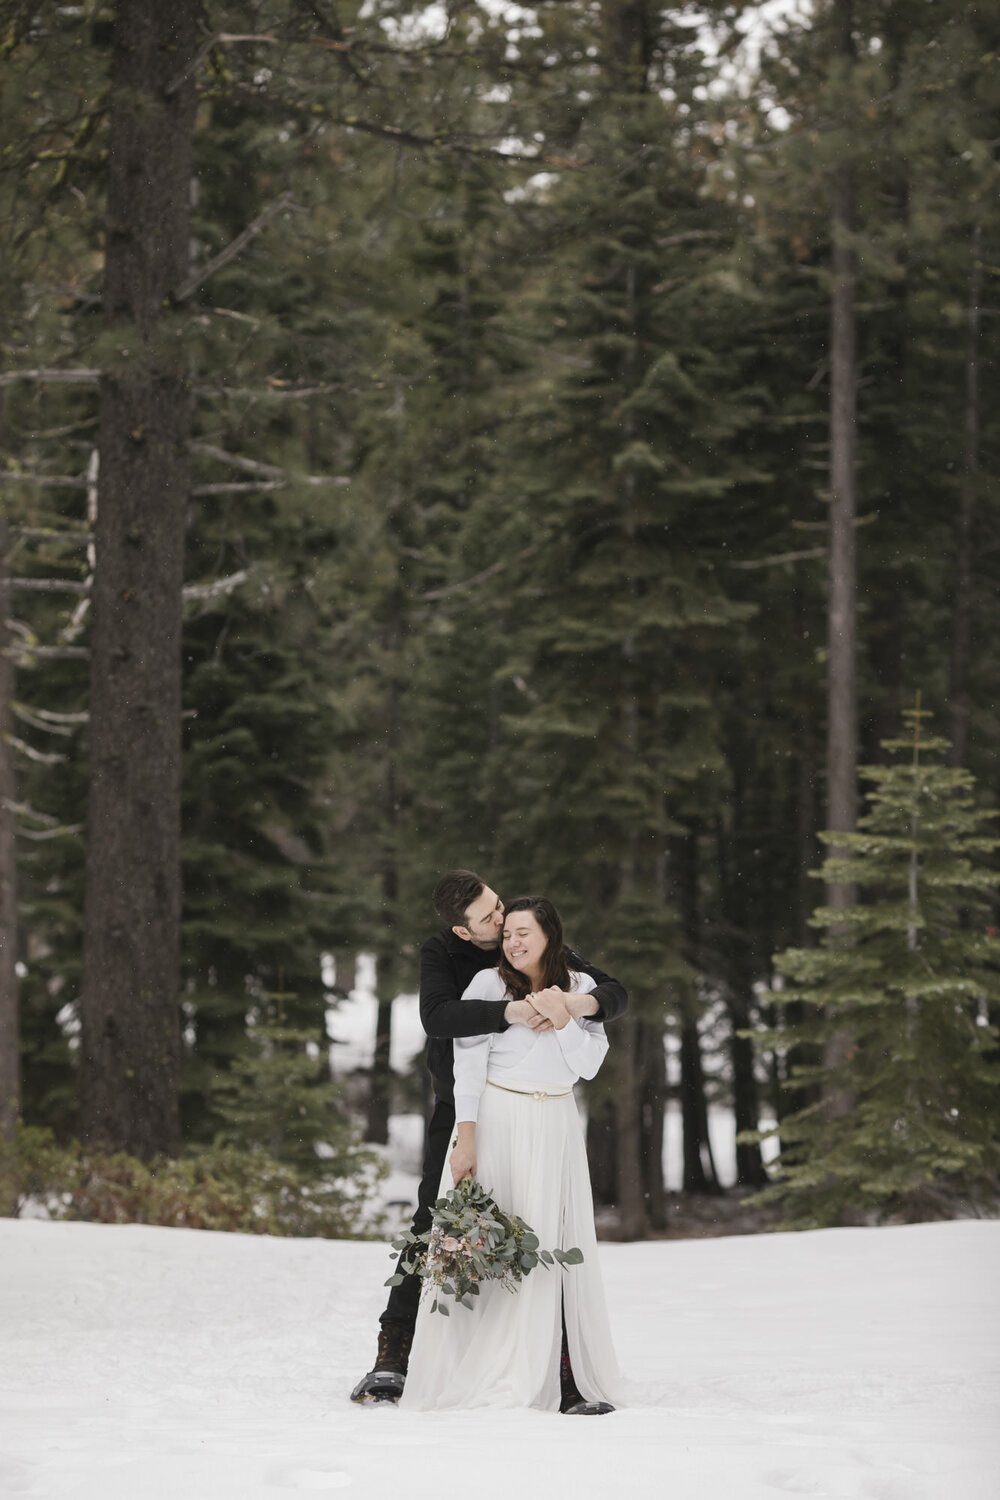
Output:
x,y
551,1003
463,1157
580,1006
523,1013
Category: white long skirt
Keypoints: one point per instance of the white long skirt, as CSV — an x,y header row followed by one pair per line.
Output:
x,y
505,1352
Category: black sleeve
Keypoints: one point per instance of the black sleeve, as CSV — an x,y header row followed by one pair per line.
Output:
x,y
443,1012
611,997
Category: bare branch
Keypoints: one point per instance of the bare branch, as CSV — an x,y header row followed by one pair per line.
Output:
x,y
221,38
50,717
44,481
236,488
63,831
468,583
44,758
689,237
52,377
219,587
25,810
234,248
51,585
782,557
403,137
52,534
237,461
24,655
274,390
27,717
254,466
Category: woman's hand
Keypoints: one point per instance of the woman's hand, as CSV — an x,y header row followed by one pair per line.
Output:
x,y
523,1013
551,1003
463,1157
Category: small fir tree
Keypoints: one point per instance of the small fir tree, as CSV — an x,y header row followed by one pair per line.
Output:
x,y
911,973
278,1097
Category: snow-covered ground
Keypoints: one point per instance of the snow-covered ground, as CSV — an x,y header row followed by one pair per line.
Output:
x,y
164,1364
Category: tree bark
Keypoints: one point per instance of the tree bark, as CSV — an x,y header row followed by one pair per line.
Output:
x,y
699,1168
130,1036
387,966
842,707
631,1197
654,1103
10,1030
958,688
842,711
734,884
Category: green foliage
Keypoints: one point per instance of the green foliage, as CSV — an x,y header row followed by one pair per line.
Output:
x,y
470,1241
522,470
222,1188
898,999
277,1096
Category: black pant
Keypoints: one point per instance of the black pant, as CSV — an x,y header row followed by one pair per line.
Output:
x,y
405,1298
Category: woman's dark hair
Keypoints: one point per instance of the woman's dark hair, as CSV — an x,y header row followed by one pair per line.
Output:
x,y
555,969
455,893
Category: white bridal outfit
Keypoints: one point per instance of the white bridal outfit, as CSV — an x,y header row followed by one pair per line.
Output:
x,y
531,1156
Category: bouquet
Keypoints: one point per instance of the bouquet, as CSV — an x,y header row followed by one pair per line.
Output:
x,y
470,1241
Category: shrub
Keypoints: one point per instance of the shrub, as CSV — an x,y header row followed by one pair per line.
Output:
x,y
217,1187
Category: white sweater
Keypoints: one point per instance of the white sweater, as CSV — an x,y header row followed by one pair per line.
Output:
x,y
522,1058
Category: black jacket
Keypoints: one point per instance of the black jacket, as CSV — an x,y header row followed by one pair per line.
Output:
x,y
448,964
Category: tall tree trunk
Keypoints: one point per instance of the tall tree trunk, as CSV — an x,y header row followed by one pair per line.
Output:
x,y
958,686
842,709
387,968
654,1103
628,1136
10,1030
699,1167
735,876
602,1153
130,1038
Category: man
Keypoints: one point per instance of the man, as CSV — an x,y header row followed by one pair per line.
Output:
x,y
473,914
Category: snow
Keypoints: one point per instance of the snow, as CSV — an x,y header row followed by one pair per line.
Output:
x,y
159,1364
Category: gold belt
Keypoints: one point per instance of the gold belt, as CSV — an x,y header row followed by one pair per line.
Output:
x,y
529,1094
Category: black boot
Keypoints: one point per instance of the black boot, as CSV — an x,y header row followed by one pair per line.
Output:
x,y
385,1381
571,1403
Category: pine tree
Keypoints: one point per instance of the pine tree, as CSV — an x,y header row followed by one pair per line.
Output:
x,y
277,1096
919,1135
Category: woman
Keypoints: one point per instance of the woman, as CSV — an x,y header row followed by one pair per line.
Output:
x,y
518,1130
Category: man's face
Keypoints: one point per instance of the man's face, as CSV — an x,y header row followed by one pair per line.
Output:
x,y
483,920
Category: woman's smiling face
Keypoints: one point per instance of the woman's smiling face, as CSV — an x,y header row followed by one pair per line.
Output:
x,y
524,942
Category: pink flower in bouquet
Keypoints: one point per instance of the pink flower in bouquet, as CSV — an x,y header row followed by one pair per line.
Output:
x,y
450,1244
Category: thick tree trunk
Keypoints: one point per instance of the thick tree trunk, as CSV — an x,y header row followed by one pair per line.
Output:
x,y
958,688
130,1041
10,1030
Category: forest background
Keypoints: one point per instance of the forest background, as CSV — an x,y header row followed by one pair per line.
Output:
x,y
557,440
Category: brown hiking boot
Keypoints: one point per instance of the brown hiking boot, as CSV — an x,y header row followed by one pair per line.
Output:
x,y
385,1381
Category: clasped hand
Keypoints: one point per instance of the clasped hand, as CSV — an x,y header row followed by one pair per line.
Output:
x,y
540,1010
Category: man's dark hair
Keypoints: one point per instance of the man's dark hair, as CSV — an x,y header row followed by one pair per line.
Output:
x,y
455,893
555,969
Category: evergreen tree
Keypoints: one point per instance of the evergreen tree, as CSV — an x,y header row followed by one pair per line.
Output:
x,y
919,1135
